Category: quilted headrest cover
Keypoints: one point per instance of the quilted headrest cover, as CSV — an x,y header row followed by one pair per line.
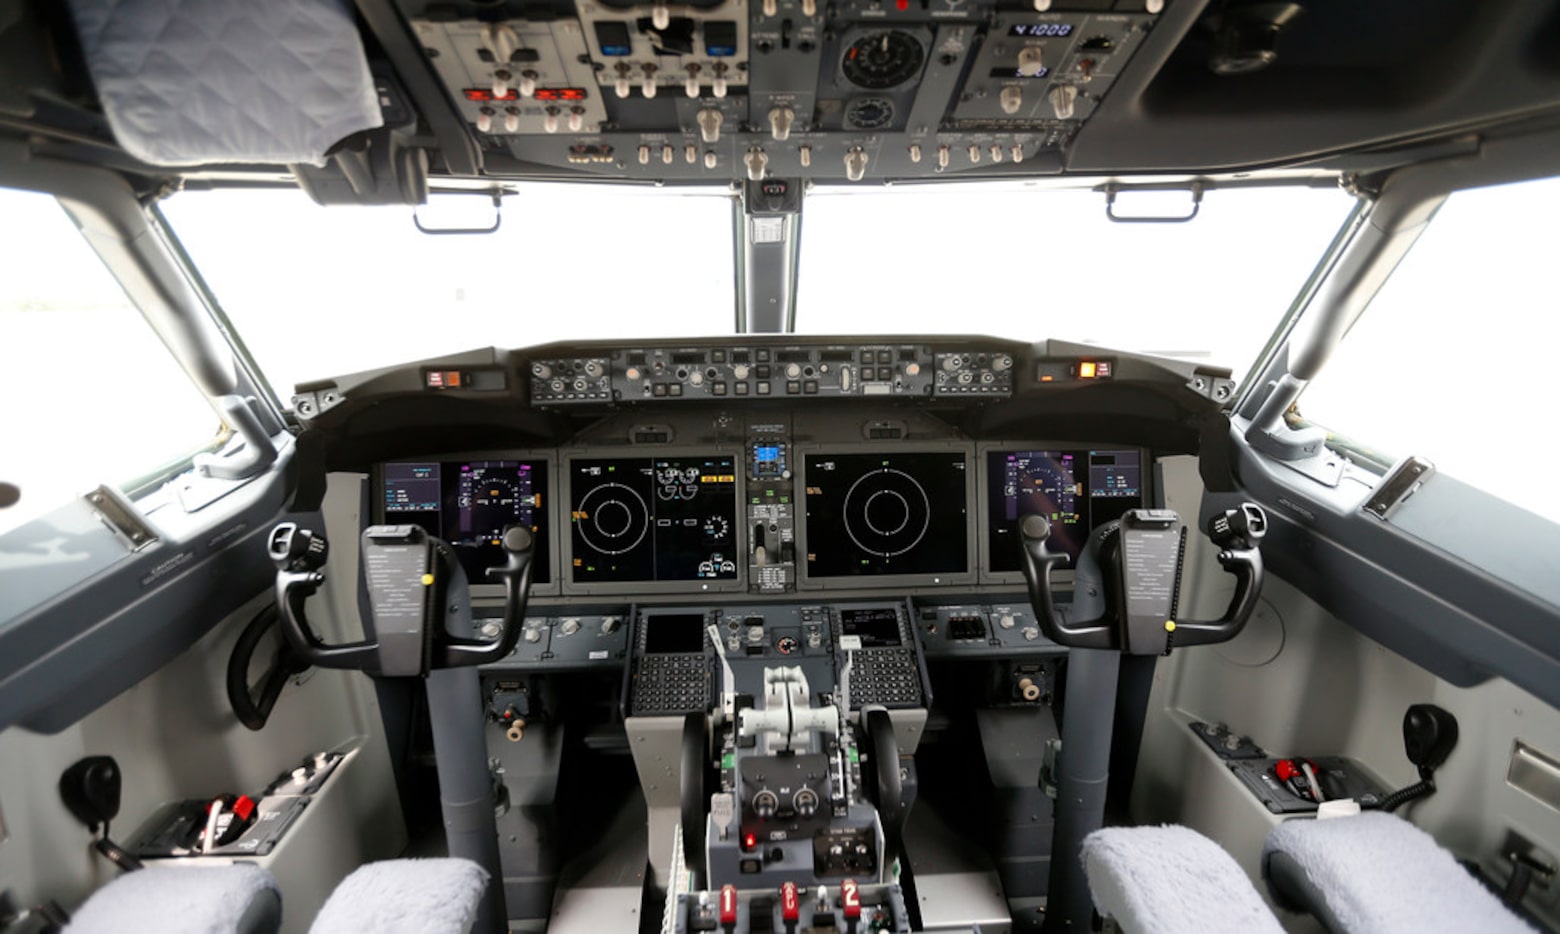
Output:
x,y
202,82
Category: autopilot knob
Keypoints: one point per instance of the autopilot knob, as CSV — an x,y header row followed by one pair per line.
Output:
x,y
569,626
610,625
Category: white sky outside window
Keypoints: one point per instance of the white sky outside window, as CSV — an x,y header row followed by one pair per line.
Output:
x,y
317,292
90,395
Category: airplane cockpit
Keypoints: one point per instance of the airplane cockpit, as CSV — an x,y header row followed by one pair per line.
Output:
x,y
449,488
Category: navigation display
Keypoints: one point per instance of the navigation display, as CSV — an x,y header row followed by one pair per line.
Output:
x,y
653,519
875,514
469,504
1076,490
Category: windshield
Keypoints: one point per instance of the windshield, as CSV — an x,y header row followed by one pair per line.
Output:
x,y
319,292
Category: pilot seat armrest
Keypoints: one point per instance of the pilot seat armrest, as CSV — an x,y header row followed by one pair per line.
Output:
x,y
1376,872
240,897
1169,880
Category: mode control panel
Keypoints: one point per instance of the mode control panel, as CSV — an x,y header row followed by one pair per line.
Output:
x,y
772,372
771,518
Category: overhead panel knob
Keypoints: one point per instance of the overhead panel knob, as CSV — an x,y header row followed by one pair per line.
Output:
x,y
756,161
809,8
644,155
501,84
1062,98
485,120
1018,152
1031,61
806,155
771,7
856,164
709,124
974,153
576,119
1042,5
718,86
780,120
647,83
710,159
915,153
660,16
511,120
527,84
1012,99
691,153
667,154
550,120
620,85
942,157
996,153
691,85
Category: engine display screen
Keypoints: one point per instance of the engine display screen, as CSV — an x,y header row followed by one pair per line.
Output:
x,y
469,504
875,627
1075,490
874,514
674,632
653,519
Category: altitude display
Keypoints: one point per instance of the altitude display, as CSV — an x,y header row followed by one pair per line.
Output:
x,y
1075,490
469,504
871,514
662,519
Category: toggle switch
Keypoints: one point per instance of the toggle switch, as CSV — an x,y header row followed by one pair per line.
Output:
x,y
806,155
550,120
1062,98
647,83
485,120
709,124
511,120
576,118
756,161
691,83
915,153
780,119
856,164
501,84
660,16
527,86
942,157
1012,99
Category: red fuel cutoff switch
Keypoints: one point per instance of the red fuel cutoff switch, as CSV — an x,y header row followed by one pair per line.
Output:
x,y
790,906
850,902
728,906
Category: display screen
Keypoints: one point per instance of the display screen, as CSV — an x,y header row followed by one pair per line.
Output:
x,y
469,504
875,627
872,514
674,632
1041,30
1075,490
660,519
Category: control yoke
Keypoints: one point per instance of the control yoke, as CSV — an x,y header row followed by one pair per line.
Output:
x,y
413,579
1144,550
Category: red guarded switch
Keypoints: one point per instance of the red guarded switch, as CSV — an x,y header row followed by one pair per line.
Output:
x,y
790,902
850,898
728,904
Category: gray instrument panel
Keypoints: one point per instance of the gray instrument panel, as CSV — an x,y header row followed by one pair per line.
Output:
x,y
721,89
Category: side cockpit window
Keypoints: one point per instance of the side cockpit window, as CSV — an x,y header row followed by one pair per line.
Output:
x,y
88,393
1453,359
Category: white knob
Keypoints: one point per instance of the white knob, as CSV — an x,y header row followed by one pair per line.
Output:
x,y
718,87
576,119
501,85
511,120
1042,5
1006,621
996,153
691,153
806,153
756,161
912,369
647,83
691,84
942,157
1062,97
620,85
770,7
1031,61
644,155
569,626
793,370
1154,6
780,119
709,124
974,153
660,16
550,120
696,378
527,84
809,8
740,371
485,121
1018,152
856,164
1012,99
609,625
915,152
667,153
710,159
533,635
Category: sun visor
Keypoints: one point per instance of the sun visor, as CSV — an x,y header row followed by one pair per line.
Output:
x,y
199,82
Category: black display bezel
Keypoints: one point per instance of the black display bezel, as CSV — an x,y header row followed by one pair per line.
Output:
x,y
805,580
566,534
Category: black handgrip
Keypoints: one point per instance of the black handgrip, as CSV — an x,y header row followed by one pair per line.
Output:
x,y
890,791
252,712
1237,531
298,554
454,652
691,792
1038,560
